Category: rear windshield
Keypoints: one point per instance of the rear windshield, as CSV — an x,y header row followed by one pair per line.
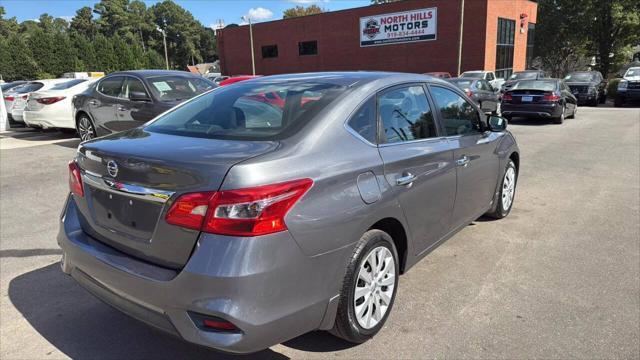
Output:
x,y
544,85
249,111
68,84
176,88
579,77
28,87
462,84
474,75
523,76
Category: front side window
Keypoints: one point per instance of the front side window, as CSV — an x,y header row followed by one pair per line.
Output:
x,y
132,85
363,121
458,116
245,112
504,48
405,115
111,86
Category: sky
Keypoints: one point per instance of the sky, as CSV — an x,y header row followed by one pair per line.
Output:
x,y
208,12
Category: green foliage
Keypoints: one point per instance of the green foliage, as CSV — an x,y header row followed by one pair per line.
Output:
x,y
302,11
612,88
123,36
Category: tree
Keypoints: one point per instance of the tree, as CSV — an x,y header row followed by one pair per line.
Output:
x,y
83,23
22,64
302,11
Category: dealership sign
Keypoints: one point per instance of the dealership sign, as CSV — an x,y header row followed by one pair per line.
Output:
x,y
401,27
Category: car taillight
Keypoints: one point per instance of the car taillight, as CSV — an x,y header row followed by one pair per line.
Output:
x,y
507,97
468,92
243,212
550,97
25,97
75,179
9,98
50,100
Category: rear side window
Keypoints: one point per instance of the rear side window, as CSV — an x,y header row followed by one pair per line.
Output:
x,y
363,121
111,86
405,115
458,116
250,111
68,84
177,88
29,87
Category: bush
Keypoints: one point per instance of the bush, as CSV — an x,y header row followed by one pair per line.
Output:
x,y
612,88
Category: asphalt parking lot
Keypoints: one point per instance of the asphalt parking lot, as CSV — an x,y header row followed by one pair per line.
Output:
x,y
558,278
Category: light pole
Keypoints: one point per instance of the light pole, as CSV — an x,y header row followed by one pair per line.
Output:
x,y
247,18
164,38
461,33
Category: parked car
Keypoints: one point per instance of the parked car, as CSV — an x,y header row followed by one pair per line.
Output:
x,y
128,99
587,86
546,98
16,100
10,85
490,76
522,75
235,79
236,224
53,108
480,91
439,74
628,87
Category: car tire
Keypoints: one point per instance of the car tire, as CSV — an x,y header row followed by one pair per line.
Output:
x,y
595,101
85,127
362,326
573,114
603,98
560,119
506,195
618,102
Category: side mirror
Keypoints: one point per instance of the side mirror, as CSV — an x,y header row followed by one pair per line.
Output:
x,y
138,96
497,123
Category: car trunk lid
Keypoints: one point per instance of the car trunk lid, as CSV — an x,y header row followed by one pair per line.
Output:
x,y
132,178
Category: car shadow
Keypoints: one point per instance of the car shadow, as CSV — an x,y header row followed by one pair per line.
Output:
x,y
530,121
82,327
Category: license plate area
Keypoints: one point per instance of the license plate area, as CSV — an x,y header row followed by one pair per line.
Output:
x,y
526,99
130,217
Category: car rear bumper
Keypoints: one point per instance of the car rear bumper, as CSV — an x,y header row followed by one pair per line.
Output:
x,y
531,110
46,120
265,286
16,115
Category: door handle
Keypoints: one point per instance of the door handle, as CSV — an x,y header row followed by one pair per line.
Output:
x,y
93,102
463,161
121,108
405,180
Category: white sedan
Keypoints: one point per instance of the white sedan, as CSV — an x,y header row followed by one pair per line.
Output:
x,y
52,108
17,100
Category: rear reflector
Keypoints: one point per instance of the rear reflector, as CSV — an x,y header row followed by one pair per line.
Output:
x,y
50,100
218,324
75,179
244,212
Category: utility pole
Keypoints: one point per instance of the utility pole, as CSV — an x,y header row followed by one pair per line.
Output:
x,y
253,59
166,55
461,33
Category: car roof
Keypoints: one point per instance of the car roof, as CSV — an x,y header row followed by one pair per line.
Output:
x,y
348,78
527,71
149,73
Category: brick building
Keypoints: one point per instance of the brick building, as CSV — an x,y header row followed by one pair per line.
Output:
x,y
408,36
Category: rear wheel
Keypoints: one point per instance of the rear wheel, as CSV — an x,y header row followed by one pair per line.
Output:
x,y
504,200
573,113
86,129
369,288
560,119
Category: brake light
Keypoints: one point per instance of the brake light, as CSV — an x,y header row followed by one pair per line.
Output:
x,y
50,100
9,98
507,97
25,97
243,212
551,97
75,179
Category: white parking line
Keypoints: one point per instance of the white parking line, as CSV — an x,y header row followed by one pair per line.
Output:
x,y
26,138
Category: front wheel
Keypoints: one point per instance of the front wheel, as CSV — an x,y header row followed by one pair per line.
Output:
x,y
369,288
507,192
86,129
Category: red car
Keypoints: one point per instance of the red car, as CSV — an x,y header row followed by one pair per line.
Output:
x,y
238,78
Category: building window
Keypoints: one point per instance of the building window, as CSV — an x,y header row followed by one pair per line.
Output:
x,y
531,39
504,48
308,48
270,51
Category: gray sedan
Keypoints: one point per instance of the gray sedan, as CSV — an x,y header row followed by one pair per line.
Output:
x,y
269,208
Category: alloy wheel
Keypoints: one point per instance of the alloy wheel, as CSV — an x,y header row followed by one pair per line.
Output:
x,y
85,129
374,287
508,188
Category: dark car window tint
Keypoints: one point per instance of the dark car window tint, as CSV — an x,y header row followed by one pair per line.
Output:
x,y
490,76
242,111
544,85
68,84
176,88
29,87
405,115
111,86
459,117
363,121
132,85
